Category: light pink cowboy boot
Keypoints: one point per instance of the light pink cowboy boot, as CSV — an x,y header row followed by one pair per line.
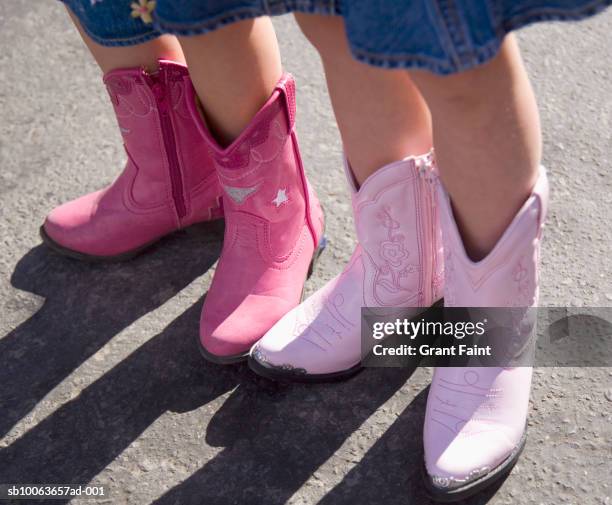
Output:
x,y
397,262
273,230
475,418
168,182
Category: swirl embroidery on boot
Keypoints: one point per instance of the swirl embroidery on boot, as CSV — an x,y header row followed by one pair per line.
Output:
x,y
524,289
260,133
313,329
394,254
335,304
178,98
521,322
438,284
116,87
477,402
450,298
128,96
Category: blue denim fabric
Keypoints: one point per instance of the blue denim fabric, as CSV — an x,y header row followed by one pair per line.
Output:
x,y
443,36
109,22
446,36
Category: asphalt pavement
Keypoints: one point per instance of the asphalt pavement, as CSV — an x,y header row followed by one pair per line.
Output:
x,y
100,378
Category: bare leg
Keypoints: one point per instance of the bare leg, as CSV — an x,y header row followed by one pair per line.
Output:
x,y
381,114
487,138
141,55
234,70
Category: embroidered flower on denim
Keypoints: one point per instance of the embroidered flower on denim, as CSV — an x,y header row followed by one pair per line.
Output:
x,y
143,10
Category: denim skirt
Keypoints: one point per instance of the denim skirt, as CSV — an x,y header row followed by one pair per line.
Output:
x,y
443,36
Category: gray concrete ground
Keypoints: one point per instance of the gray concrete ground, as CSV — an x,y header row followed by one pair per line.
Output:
x,y
100,380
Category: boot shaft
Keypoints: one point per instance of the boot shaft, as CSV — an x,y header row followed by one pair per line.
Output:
x,y
508,275
262,177
160,135
273,224
396,221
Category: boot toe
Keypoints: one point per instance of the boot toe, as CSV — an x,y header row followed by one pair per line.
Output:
x,y
67,224
233,334
466,457
279,351
293,346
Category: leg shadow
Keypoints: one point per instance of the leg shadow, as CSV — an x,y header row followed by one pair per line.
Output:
x,y
275,436
390,472
85,305
83,436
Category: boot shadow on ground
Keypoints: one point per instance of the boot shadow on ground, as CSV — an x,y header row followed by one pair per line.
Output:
x,y
392,468
272,433
85,306
276,439
81,438
276,436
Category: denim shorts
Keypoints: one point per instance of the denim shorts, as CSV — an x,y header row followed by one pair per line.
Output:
x,y
443,36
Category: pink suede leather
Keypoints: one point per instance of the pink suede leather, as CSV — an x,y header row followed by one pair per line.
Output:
x,y
475,417
397,262
168,182
273,225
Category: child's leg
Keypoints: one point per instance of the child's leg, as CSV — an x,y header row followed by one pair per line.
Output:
x,y
383,119
142,55
487,138
381,115
273,221
234,70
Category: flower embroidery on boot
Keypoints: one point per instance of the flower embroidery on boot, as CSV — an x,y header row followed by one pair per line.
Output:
x,y
143,10
388,287
281,197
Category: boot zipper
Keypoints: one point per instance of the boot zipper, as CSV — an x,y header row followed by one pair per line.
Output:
x,y
429,256
159,89
434,237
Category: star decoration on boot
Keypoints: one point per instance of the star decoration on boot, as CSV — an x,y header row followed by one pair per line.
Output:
x,y
281,197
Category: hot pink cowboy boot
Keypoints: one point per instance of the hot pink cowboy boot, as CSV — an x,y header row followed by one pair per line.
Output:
x,y
273,230
168,182
475,418
397,262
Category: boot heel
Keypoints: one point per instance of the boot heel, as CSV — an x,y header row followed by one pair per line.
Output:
x,y
315,257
